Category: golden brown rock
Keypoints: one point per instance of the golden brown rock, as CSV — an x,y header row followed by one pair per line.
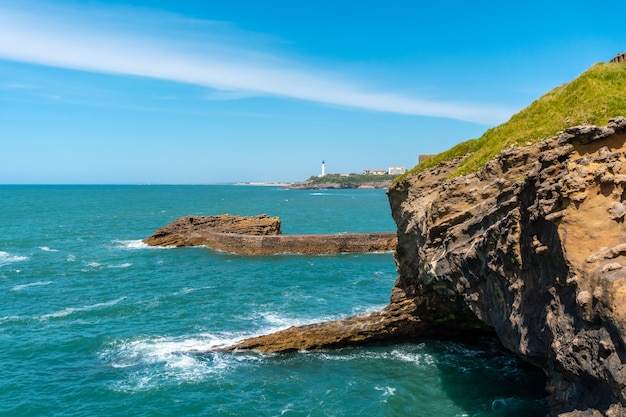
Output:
x,y
189,230
260,235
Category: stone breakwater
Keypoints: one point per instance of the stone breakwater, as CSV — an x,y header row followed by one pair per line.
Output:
x,y
260,235
532,248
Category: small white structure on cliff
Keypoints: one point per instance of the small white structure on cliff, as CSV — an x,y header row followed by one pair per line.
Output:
x,y
323,170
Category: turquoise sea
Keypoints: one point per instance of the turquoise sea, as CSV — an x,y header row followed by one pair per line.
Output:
x,y
94,323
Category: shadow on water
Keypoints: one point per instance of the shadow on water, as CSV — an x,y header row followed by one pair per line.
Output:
x,y
484,379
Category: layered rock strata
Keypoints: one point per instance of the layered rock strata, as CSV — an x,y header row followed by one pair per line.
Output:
x,y
533,247
260,235
192,230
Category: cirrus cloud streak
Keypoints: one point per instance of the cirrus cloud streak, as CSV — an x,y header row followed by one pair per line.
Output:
x,y
203,53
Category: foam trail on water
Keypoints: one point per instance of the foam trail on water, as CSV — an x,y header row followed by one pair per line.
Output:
x,y
32,284
47,249
71,310
124,265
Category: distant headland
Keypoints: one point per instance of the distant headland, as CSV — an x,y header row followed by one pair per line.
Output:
x,y
377,178
343,181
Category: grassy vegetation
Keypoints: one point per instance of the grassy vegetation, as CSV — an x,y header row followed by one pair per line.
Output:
x,y
349,179
594,97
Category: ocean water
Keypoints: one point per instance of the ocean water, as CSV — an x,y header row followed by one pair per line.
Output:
x,y
94,323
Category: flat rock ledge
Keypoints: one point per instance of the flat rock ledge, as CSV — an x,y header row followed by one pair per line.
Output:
x,y
260,235
397,322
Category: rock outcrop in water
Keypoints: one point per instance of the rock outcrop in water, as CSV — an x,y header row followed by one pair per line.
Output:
x,y
260,235
532,247
192,230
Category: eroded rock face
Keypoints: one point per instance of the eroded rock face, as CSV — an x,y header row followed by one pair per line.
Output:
x,y
190,230
534,246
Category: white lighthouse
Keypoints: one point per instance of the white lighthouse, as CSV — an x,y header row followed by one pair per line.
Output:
x,y
323,171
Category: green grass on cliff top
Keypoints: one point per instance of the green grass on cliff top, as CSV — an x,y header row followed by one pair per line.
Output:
x,y
350,178
594,97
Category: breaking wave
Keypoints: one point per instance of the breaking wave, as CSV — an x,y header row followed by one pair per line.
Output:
x,y
151,362
136,245
7,258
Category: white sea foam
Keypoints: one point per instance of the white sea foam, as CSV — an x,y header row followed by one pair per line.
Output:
x,y
417,358
136,245
71,310
131,244
10,319
150,362
7,258
186,290
47,249
278,322
387,391
32,284
367,309
124,265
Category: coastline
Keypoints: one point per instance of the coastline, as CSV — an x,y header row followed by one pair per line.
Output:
x,y
263,184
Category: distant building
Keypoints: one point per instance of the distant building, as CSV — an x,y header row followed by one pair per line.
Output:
x,y
379,172
396,170
366,171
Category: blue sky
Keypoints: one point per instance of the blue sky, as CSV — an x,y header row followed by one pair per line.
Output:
x,y
228,91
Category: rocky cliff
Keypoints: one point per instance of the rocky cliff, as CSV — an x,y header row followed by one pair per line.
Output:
x,y
532,247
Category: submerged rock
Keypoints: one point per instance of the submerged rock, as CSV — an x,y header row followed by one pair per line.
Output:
x,y
532,247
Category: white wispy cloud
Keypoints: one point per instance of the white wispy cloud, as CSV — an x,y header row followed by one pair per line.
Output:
x,y
169,47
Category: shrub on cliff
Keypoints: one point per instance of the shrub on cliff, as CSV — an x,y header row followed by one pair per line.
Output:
x,y
594,97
